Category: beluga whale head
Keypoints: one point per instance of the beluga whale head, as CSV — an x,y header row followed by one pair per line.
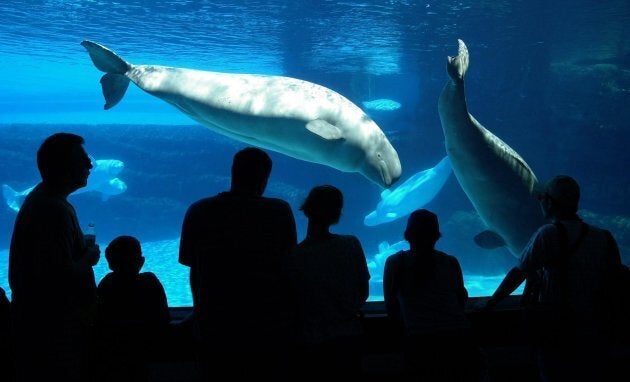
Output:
x,y
381,163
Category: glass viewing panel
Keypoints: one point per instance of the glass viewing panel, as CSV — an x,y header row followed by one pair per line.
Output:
x,y
557,99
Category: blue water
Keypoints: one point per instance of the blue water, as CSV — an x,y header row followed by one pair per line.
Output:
x,y
551,80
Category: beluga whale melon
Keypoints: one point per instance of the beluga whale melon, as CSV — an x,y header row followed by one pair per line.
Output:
x,y
499,183
297,118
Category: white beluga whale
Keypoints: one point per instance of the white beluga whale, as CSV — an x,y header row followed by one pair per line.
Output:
x,y
499,183
102,179
414,193
385,250
294,117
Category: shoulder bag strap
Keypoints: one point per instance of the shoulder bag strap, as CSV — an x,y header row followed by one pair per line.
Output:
x,y
565,252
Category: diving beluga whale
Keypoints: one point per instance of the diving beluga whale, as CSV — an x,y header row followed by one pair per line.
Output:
x,y
294,117
497,180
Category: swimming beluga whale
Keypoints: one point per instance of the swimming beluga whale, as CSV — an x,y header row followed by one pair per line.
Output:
x,y
499,183
294,117
102,179
412,194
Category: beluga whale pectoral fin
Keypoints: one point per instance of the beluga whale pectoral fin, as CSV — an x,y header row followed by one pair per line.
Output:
x,y
114,83
489,240
324,129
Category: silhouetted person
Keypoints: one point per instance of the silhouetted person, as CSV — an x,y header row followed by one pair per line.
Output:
x,y
334,281
133,314
572,259
6,361
237,246
425,298
50,270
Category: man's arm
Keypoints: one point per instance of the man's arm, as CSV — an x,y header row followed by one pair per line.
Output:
x,y
510,282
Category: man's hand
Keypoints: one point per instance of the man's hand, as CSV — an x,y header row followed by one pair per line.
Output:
x,y
485,305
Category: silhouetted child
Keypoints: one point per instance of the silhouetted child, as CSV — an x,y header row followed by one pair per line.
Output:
x,y
133,312
425,296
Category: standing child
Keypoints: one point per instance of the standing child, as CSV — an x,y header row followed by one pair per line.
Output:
x,y
133,311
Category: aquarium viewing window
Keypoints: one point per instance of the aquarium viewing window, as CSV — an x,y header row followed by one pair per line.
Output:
x,y
556,104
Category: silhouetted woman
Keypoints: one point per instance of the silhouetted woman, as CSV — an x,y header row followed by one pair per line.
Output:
x,y
334,286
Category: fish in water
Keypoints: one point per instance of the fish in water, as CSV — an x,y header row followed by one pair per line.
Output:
x,y
294,117
381,104
499,183
102,179
414,193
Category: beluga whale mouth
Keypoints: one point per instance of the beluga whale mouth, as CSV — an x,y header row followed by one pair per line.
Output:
x,y
282,114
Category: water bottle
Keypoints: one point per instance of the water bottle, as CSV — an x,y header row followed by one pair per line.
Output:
x,y
90,235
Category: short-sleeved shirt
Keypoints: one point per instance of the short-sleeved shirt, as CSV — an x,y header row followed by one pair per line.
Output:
x,y
237,246
429,303
585,269
45,274
335,285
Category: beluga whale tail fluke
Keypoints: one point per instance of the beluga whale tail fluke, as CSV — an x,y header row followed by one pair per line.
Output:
x,y
294,117
114,82
496,179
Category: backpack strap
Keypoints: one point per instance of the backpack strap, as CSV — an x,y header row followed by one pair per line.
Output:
x,y
565,249
561,263
581,236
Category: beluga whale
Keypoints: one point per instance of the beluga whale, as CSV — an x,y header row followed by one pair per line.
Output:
x,y
499,183
102,179
294,117
410,195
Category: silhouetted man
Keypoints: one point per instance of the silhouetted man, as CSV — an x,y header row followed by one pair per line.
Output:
x,y
573,261
50,269
237,245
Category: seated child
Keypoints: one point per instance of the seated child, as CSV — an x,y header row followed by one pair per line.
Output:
x,y
133,312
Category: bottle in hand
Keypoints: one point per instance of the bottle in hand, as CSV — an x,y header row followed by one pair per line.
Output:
x,y
90,234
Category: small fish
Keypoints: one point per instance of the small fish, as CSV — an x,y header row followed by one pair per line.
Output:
x,y
381,104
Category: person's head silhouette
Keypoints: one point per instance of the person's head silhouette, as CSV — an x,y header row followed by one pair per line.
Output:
x,y
63,162
251,168
124,255
323,204
560,197
423,229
